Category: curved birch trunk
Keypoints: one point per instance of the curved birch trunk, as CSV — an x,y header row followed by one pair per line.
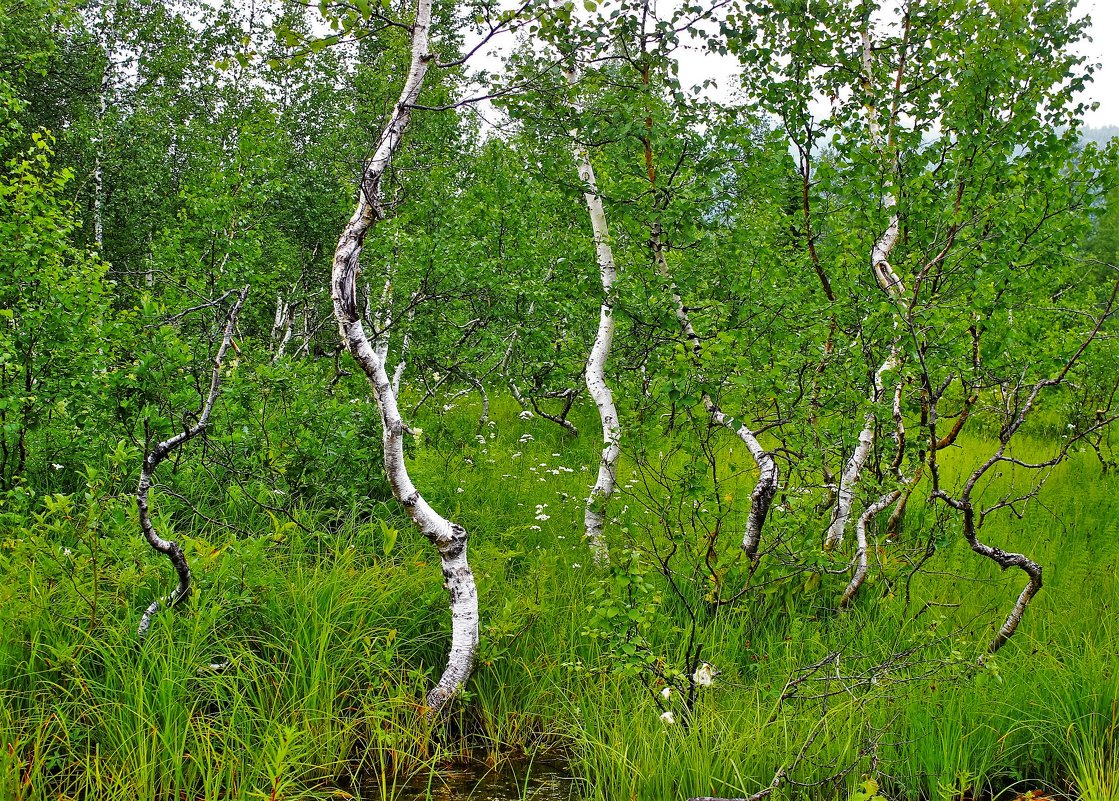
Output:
x,y
892,284
152,460
861,550
480,388
596,363
1004,559
449,538
761,498
852,472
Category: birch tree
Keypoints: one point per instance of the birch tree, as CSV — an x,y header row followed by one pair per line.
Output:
x,y
449,538
600,391
161,450
926,116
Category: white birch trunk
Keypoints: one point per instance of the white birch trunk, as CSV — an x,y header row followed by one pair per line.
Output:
x,y
761,498
595,513
152,460
281,327
406,340
382,322
304,348
852,472
891,282
450,539
859,575
107,36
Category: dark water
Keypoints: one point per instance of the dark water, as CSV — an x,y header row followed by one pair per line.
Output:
x,y
541,779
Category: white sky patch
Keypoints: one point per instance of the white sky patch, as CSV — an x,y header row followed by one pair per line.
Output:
x,y
697,65
1103,50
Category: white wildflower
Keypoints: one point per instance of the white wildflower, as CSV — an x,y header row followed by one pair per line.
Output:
x,y
460,489
704,675
668,718
576,566
56,466
666,693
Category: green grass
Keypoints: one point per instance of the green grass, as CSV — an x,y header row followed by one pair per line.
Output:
x,y
332,636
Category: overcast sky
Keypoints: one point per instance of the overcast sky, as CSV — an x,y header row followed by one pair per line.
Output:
x,y
1104,50
695,66
698,65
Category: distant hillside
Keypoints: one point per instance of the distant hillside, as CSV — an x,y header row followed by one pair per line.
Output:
x,y
1101,135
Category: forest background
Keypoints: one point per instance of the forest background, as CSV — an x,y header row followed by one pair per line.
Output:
x,y
778,421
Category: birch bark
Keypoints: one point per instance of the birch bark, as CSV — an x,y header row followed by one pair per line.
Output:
x,y
761,497
449,538
152,460
600,352
405,342
861,550
108,43
281,327
888,280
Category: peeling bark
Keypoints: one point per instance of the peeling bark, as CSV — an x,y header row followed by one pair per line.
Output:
x,y
861,549
600,352
889,281
852,472
449,538
761,497
381,321
152,460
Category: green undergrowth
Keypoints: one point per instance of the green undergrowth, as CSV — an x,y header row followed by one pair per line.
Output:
x,y
298,668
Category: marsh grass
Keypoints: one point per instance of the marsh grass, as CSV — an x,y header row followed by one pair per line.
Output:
x,y
326,635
